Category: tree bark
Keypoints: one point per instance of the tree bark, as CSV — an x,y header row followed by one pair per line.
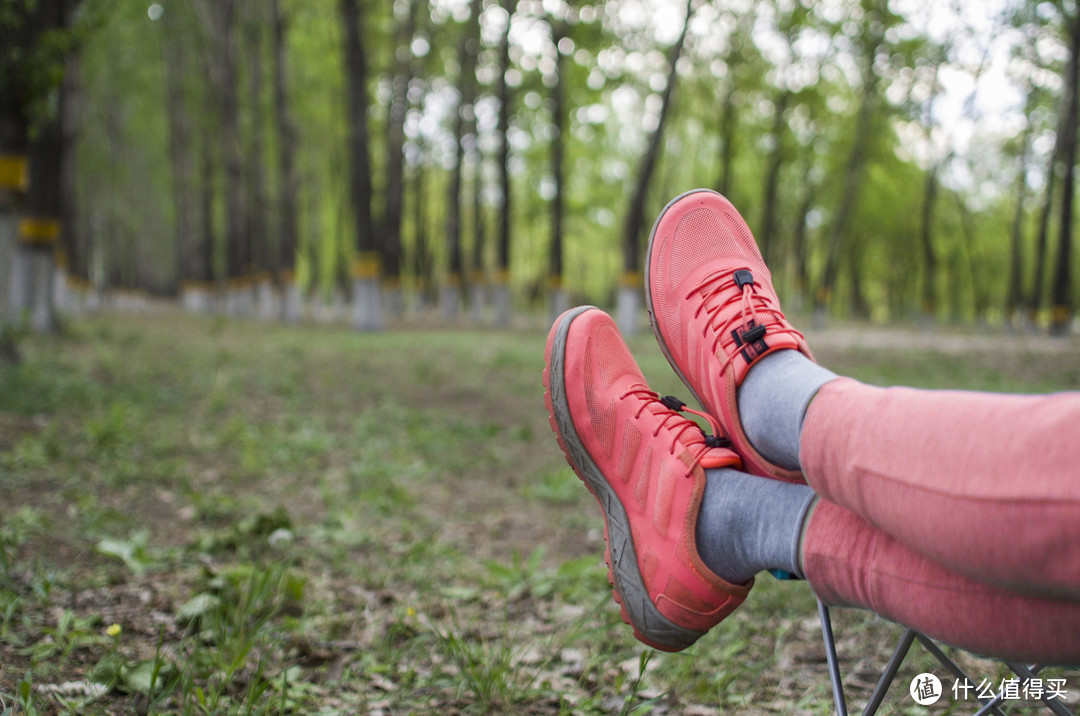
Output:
x,y
236,210
801,242
1061,297
1038,292
468,49
39,150
76,243
367,309
397,110
288,182
853,174
980,294
769,208
1015,299
928,302
559,30
258,226
502,258
181,153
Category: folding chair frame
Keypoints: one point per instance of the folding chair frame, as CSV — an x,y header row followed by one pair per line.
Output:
x,y
989,706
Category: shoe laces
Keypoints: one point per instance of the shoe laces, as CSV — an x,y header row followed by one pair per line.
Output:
x,y
758,313
684,432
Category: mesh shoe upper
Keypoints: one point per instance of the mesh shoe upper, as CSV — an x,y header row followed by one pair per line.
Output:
x,y
644,463
713,308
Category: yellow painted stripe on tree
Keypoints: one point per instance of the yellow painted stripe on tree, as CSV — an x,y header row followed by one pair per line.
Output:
x,y
42,232
13,174
367,265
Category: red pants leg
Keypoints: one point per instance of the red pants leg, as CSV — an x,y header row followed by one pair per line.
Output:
x,y
848,562
987,485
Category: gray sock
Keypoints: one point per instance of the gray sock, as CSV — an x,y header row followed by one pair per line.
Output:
x,y
748,524
773,399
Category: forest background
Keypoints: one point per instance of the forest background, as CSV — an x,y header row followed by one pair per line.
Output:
x,y
895,159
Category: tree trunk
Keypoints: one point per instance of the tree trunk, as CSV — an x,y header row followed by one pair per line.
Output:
x,y
477,282
199,298
397,109
1038,292
769,210
258,226
423,262
853,174
635,216
220,19
263,259
236,209
979,290
728,122
928,303
76,249
1061,298
467,54
729,116
39,227
801,242
502,259
288,183
1014,301
559,30
181,154
14,176
367,308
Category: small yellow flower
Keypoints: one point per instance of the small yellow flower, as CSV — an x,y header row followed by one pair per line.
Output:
x,y
410,612
113,630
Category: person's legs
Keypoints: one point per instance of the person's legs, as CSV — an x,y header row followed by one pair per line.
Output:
x,y
684,527
748,524
848,562
988,485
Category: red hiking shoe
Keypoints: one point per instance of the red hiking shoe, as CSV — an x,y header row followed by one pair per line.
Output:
x,y
713,309
644,463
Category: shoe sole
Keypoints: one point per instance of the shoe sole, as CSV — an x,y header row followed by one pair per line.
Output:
x,y
648,291
637,609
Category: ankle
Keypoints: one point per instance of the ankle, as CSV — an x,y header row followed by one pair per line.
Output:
x,y
772,402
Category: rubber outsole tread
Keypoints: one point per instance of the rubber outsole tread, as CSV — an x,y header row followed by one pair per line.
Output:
x,y
636,607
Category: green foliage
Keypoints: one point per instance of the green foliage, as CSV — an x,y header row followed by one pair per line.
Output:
x,y
772,84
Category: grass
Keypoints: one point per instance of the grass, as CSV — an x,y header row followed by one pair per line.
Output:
x,y
207,517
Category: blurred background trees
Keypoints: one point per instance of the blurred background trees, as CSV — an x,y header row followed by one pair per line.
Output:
x,y
911,159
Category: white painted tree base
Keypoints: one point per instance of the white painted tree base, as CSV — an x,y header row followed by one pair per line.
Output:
x,y
500,299
557,304
291,307
450,302
367,305
627,310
